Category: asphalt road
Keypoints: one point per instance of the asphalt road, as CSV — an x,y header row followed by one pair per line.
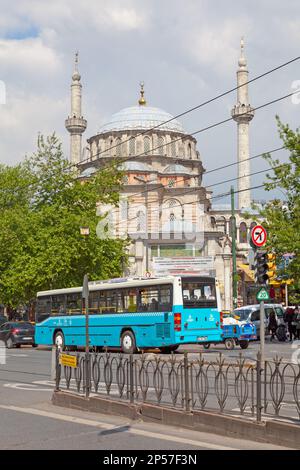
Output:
x,y
29,420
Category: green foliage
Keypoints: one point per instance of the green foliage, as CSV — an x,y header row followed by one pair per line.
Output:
x,y
43,205
282,218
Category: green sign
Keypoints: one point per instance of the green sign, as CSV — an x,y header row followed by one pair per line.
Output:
x,y
262,294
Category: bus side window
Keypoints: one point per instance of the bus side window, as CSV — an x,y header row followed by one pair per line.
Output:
x,y
165,298
129,299
73,304
93,302
148,299
111,301
102,301
43,308
58,305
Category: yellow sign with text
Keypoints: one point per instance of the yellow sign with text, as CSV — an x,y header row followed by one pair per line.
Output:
x,y
67,360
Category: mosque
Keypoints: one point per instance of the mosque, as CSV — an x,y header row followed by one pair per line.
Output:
x,y
165,210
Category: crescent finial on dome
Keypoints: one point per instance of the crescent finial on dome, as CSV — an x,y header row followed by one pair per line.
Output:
x,y
142,101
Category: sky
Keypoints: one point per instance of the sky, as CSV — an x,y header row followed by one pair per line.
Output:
x,y
185,52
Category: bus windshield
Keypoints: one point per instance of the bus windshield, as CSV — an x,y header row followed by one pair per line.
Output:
x,y
199,293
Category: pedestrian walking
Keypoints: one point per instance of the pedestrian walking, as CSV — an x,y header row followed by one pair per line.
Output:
x,y
289,318
272,324
297,321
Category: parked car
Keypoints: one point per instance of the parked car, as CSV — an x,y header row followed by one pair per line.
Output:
x,y
3,319
251,313
14,334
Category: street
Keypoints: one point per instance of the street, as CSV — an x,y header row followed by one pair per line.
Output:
x,y
30,421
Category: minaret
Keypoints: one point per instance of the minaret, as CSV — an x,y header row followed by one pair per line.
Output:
x,y
242,113
75,123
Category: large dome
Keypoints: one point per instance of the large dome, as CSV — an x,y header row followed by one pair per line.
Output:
x,y
142,118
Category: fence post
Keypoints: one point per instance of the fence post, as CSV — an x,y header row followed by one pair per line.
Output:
x,y
258,388
87,374
186,382
131,384
57,369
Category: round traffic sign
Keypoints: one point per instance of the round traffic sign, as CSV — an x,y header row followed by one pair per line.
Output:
x,y
258,235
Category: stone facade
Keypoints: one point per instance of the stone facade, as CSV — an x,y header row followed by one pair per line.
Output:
x,y
163,203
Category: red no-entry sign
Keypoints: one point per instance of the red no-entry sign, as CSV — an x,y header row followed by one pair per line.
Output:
x,y
258,235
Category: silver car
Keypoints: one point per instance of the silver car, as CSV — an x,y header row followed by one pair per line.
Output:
x,y
251,313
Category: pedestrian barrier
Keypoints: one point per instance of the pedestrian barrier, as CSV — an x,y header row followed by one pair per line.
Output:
x,y
237,387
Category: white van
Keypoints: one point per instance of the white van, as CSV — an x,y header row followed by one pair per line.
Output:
x,y
251,313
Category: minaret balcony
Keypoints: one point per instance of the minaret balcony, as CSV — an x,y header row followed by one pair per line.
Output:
x,y
76,125
242,113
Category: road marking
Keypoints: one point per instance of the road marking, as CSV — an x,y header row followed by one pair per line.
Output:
x,y
16,355
28,387
101,424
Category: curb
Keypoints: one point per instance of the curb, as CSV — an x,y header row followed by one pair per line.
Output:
x,y
274,432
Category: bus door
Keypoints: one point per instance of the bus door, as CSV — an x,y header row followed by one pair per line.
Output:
x,y
200,317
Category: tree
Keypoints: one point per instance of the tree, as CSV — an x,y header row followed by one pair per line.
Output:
x,y
282,218
43,204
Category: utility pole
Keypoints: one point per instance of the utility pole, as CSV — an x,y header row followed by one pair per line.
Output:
x,y
233,250
85,309
85,231
146,221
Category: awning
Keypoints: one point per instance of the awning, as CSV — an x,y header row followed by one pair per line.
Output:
x,y
249,273
249,276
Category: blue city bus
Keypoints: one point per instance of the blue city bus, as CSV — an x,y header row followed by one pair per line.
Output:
x,y
132,314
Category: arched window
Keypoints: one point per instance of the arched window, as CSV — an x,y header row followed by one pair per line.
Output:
x,y
146,145
161,146
118,147
141,222
213,222
173,148
173,203
189,150
222,224
243,233
132,146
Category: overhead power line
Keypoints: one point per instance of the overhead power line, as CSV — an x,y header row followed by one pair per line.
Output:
x,y
116,164
190,191
194,108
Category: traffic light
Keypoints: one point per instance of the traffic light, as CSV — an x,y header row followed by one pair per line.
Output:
x,y
261,267
264,266
271,262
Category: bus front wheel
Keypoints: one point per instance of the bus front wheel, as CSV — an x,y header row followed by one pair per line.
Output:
x,y
128,344
59,340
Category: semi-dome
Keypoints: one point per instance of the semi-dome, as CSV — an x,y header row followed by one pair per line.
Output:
x,y
142,118
136,166
176,169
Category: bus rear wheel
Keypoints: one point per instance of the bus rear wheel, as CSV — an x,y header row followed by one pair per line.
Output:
x,y
128,344
59,340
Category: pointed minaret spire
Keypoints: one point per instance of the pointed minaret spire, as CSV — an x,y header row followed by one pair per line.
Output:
x,y
243,113
242,60
75,123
